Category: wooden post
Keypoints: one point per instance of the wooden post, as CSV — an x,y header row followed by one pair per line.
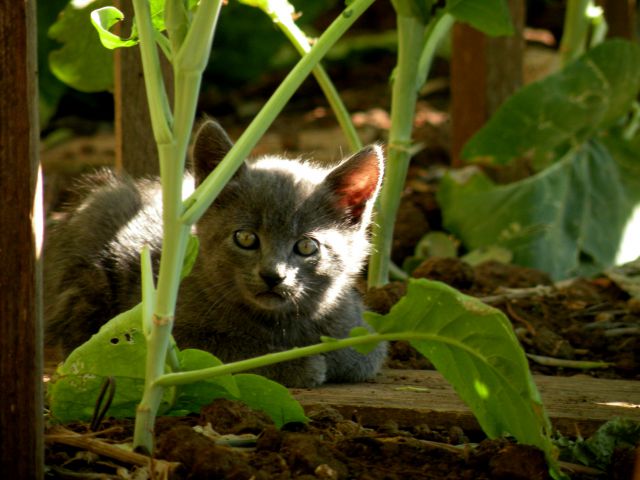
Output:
x,y
21,402
485,71
136,151
621,17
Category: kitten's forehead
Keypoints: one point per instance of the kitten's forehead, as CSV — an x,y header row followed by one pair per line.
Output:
x,y
297,169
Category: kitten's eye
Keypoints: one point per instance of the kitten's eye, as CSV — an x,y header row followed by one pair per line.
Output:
x,y
306,247
246,239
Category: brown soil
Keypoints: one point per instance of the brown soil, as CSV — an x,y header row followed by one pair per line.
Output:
x,y
329,447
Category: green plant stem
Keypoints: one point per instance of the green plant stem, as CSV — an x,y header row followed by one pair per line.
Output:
x,y
404,95
436,31
189,55
154,83
180,378
299,40
209,189
599,26
576,26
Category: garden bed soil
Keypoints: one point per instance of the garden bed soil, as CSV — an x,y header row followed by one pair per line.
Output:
x,y
329,447
555,322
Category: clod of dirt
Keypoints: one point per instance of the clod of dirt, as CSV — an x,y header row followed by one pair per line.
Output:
x,y
491,275
451,271
517,462
227,416
201,458
381,299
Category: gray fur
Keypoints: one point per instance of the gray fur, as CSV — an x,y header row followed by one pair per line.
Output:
x,y
237,302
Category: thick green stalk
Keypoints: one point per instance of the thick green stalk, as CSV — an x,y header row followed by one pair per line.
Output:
x,y
156,94
204,195
189,56
180,378
576,26
403,103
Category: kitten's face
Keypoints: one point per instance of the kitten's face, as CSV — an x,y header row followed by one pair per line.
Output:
x,y
284,237
278,243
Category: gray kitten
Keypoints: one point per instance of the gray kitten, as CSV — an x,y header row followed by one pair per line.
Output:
x,y
280,250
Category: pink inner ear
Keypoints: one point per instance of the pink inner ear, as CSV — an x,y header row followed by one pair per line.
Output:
x,y
358,187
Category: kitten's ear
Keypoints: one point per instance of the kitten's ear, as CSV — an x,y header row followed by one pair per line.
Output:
x,y
356,182
210,146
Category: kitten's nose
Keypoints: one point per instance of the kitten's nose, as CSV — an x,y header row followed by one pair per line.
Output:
x,y
272,279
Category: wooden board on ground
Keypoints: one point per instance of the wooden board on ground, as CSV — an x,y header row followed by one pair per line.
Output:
x,y
578,404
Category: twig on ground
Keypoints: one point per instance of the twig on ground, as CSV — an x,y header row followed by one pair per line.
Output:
x,y
506,294
564,363
160,469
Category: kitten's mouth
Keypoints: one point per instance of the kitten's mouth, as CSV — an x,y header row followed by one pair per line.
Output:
x,y
270,299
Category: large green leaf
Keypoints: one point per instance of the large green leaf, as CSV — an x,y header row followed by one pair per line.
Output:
x,y
119,351
563,109
82,62
489,16
473,346
567,220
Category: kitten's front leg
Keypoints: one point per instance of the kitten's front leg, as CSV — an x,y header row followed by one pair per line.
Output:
x,y
348,365
303,372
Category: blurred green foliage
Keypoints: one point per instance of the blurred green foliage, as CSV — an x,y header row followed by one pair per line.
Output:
x,y
246,45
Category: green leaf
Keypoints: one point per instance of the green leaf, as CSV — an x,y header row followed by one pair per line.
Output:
x,y
82,62
473,346
599,449
50,89
567,220
191,397
256,391
359,332
103,19
118,350
489,16
190,256
263,394
564,109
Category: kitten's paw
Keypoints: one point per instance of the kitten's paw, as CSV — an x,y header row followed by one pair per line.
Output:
x,y
305,372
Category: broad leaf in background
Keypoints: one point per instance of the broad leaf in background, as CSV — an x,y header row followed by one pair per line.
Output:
x,y
50,89
567,220
473,346
489,16
614,438
82,62
564,109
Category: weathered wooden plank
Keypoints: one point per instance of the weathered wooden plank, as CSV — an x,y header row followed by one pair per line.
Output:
x,y
21,403
485,71
412,397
